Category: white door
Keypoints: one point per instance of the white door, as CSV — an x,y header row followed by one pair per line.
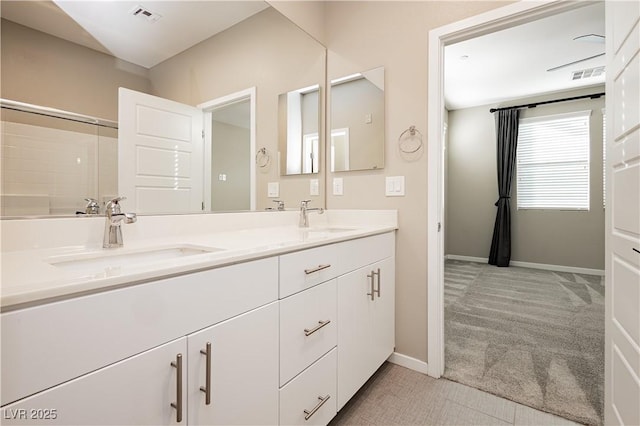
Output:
x,y
160,154
136,391
243,370
622,332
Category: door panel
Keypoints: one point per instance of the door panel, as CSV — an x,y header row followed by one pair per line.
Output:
x,y
622,312
160,154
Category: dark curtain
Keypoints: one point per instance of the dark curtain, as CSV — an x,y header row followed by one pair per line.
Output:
x,y
507,142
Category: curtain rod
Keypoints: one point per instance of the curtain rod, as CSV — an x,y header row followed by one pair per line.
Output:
x,y
535,104
56,113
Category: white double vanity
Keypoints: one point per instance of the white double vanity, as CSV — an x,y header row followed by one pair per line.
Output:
x,y
240,318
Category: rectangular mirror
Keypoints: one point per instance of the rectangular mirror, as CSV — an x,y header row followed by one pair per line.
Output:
x,y
357,121
256,47
298,131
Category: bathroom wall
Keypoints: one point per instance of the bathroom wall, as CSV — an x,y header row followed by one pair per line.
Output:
x,y
556,237
394,34
266,51
40,69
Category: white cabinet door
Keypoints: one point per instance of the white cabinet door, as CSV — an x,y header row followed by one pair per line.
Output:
x,y
160,154
366,332
138,390
243,372
622,312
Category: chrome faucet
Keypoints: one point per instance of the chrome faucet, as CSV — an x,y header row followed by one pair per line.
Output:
x,y
304,210
280,203
114,218
92,206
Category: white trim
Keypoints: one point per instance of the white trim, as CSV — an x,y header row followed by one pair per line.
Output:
x,y
498,19
409,362
207,108
545,266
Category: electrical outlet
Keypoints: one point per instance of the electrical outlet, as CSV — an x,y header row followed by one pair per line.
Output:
x,y
338,186
273,189
314,187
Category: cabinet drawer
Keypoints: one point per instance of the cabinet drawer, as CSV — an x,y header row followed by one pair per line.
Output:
x,y
355,254
307,328
46,345
306,268
301,397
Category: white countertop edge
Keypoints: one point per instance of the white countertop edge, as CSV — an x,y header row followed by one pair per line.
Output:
x,y
43,291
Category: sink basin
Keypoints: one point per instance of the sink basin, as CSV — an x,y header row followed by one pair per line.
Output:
x,y
98,261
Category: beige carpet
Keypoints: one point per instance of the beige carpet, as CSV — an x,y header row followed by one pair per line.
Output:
x,y
533,336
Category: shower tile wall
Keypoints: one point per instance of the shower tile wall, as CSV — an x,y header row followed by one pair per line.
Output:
x,y
51,170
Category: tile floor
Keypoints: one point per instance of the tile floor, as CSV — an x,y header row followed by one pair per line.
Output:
x,y
398,396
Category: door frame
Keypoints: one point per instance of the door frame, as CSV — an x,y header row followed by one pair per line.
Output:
x,y
207,109
495,20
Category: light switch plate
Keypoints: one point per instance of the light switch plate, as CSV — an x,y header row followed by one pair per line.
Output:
x,y
314,187
338,186
394,186
273,189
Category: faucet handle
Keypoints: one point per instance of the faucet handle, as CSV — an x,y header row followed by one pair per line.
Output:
x,y
305,203
92,206
280,204
113,206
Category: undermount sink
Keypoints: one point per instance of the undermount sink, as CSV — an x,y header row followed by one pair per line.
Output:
x,y
108,259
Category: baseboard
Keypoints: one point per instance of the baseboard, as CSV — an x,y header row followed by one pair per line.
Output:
x,y
408,362
557,268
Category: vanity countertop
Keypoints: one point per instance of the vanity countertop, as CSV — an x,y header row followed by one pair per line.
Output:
x,y
39,272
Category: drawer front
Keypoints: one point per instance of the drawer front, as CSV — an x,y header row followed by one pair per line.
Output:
x,y
312,394
308,328
355,254
306,268
49,344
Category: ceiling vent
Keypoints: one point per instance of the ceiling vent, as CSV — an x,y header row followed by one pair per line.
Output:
x,y
143,12
587,73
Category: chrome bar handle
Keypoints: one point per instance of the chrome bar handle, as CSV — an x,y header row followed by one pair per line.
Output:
x,y
308,414
178,404
321,324
207,387
378,274
316,269
371,277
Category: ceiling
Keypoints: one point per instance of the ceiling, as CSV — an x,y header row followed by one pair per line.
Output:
x,y
112,28
495,68
513,63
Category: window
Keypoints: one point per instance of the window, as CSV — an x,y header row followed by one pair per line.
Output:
x,y
553,162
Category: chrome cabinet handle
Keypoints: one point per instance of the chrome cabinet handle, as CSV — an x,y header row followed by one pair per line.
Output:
x,y
371,277
316,269
378,274
321,324
207,387
178,404
636,250
308,414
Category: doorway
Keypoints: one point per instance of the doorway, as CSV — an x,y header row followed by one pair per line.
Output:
x,y
229,141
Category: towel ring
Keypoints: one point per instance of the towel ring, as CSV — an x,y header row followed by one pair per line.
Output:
x,y
410,134
263,157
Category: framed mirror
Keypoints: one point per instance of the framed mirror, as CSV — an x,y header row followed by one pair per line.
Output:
x,y
261,49
299,131
357,121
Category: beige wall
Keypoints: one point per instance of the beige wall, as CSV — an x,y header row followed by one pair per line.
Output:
x,y
44,70
229,153
394,34
266,51
568,238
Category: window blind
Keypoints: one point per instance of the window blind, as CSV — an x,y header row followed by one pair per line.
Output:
x,y
553,162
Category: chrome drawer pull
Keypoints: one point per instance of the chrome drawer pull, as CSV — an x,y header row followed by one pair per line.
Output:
x,y
316,269
178,404
378,274
207,387
321,324
308,414
371,277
